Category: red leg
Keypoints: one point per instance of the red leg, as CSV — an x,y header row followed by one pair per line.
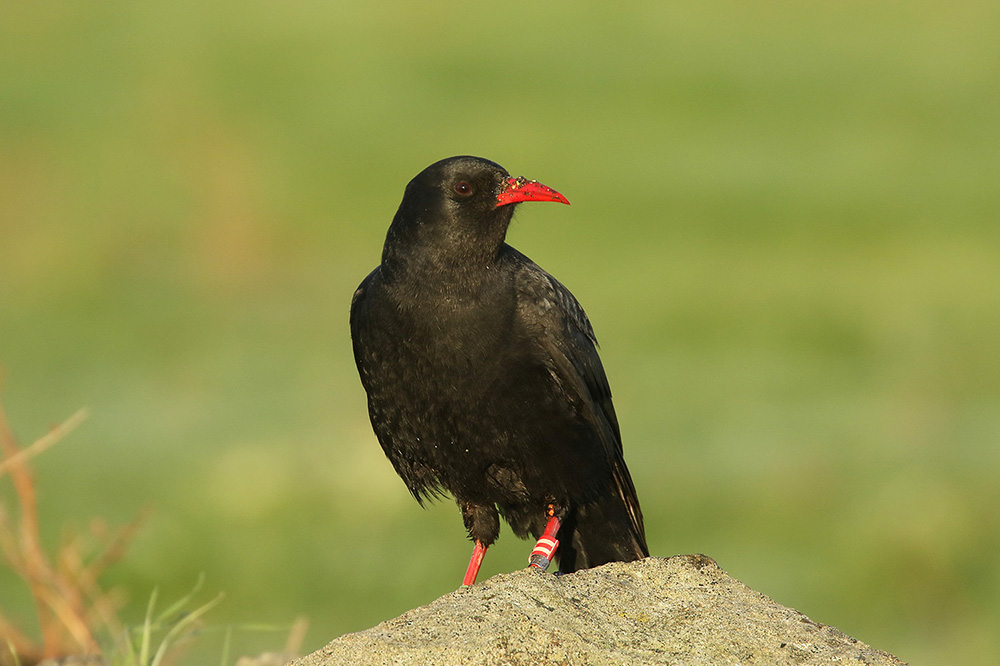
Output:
x,y
546,546
477,559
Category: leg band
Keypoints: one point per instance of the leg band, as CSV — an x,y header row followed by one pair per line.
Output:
x,y
546,547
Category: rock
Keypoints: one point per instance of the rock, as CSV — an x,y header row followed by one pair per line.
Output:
x,y
266,659
681,610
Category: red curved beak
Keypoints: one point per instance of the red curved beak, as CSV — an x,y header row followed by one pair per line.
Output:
x,y
521,189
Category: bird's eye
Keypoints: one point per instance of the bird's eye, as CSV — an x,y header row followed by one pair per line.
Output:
x,y
463,188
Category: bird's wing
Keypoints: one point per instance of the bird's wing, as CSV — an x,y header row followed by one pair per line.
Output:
x,y
368,335
358,321
558,322
359,293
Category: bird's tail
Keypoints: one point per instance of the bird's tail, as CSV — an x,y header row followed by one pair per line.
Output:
x,y
608,529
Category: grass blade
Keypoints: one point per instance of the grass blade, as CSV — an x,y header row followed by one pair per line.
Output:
x,y
147,628
185,622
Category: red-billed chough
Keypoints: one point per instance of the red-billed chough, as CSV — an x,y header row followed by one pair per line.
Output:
x,y
483,377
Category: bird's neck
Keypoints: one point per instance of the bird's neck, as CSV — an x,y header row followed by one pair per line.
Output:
x,y
423,255
454,273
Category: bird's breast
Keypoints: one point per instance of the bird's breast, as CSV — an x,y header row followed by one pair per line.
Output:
x,y
449,343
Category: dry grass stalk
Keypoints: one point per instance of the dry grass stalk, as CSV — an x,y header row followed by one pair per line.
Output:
x,y
71,606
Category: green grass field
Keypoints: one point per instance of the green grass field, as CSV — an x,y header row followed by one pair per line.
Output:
x,y
784,229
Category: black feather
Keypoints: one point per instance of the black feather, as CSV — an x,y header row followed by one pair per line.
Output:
x,y
483,376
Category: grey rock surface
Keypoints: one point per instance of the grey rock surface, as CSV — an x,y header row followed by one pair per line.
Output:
x,y
682,610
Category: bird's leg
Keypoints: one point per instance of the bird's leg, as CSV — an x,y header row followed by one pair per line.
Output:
x,y
483,523
477,559
543,551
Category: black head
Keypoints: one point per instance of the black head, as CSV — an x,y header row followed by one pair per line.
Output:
x,y
458,210
458,187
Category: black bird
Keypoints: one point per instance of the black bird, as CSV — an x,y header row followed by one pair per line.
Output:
x,y
483,377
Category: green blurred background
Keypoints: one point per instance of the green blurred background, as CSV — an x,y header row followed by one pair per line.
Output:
x,y
784,228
